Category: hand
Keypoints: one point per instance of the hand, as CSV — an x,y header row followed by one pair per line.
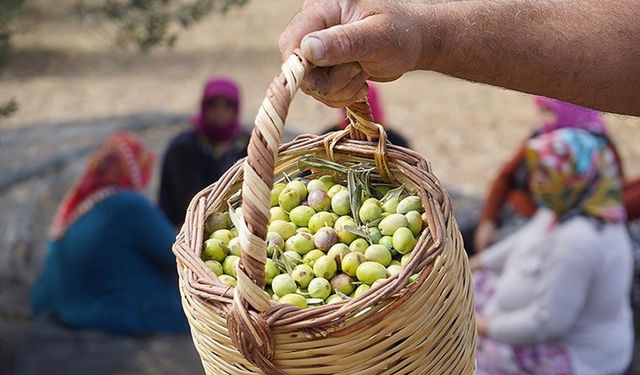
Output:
x,y
482,324
484,235
352,41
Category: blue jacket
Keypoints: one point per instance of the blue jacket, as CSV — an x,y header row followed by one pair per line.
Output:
x,y
114,271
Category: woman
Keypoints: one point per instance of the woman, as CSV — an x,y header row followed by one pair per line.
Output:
x,y
378,117
554,297
511,184
198,157
109,265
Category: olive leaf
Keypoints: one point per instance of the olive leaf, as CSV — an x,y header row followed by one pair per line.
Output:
x,y
393,193
355,194
358,232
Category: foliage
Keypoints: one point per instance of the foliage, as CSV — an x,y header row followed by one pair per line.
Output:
x,y
9,11
146,24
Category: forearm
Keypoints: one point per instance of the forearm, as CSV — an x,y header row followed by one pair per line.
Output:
x,y
586,52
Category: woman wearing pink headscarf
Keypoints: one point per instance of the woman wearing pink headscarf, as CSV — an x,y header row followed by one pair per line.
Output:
x,y
202,153
378,116
512,183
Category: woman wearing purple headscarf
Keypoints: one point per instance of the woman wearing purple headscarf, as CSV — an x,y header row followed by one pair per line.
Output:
x,y
201,154
512,182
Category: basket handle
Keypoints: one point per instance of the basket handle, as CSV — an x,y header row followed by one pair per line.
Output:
x,y
262,153
248,330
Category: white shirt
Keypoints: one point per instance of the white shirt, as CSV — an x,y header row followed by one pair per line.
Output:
x,y
569,285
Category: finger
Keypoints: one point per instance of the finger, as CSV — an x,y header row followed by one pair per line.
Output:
x,y
345,43
341,75
351,89
342,103
314,16
330,80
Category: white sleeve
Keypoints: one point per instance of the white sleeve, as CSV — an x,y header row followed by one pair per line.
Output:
x,y
561,292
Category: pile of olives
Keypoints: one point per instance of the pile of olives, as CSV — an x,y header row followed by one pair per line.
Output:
x,y
317,253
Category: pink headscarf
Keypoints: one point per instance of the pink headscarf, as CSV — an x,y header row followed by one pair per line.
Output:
x,y
374,103
215,88
570,116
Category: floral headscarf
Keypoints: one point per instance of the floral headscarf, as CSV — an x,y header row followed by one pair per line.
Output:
x,y
570,116
121,162
574,172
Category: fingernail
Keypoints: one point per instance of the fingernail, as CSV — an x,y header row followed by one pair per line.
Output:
x,y
313,47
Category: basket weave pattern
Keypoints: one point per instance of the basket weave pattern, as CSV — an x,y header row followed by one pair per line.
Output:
x,y
427,327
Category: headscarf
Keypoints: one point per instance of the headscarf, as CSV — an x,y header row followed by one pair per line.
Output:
x,y
121,162
219,87
374,102
580,175
570,116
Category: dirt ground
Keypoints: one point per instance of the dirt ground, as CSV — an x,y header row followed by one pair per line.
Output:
x,y
66,68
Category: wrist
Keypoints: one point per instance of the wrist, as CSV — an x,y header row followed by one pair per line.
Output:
x,y
435,25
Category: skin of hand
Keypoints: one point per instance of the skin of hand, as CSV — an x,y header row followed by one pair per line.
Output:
x,y
484,235
352,41
577,51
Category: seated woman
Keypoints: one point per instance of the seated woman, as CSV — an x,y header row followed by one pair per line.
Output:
x,y
378,117
200,155
512,183
109,265
554,298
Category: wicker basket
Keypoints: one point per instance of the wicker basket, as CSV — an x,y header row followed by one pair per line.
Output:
x,y
427,327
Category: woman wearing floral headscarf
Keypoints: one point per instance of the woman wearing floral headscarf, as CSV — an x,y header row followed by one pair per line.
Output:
x,y
512,182
554,297
201,154
109,265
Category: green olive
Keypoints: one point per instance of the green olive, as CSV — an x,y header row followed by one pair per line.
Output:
x,y
391,223
300,215
320,220
340,203
403,240
283,284
275,193
271,270
325,267
299,187
294,299
215,267
351,262
359,245
215,248
319,288
230,265
316,185
278,213
378,253
302,274
410,203
415,222
369,272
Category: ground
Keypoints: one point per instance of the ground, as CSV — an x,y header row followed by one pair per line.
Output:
x,y
74,87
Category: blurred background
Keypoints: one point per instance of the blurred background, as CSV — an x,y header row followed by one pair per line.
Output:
x,y
73,72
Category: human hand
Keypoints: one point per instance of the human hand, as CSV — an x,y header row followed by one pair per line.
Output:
x,y
352,41
484,235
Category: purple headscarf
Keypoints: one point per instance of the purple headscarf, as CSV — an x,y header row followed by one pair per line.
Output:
x,y
215,88
570,116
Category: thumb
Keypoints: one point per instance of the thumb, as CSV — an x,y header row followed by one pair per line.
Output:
x,y
342,43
